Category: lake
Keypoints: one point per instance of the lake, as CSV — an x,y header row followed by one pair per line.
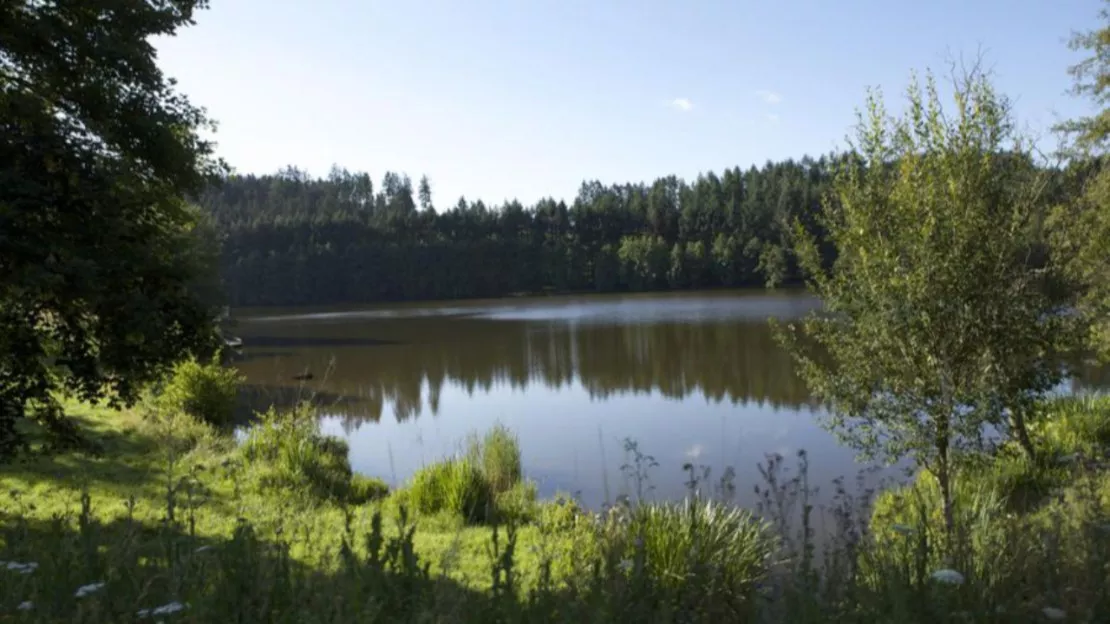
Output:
x,y
690,377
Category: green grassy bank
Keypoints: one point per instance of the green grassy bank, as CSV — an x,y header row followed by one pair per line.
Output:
x,y
173,514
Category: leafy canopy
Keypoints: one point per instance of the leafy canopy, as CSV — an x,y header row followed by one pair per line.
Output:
x,y
102,282
1081,226
937,319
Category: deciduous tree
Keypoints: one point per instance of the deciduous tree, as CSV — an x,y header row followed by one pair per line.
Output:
x,y
101,280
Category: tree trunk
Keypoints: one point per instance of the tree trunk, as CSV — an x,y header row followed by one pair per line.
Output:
x,y
944,480
1017,423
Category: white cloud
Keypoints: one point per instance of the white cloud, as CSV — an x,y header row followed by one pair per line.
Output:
x,y
769,97
681,104
773,118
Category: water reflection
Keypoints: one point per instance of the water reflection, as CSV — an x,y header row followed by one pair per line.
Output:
x,y
361,365
688,376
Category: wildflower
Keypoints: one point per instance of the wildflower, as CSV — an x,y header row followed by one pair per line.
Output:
x,y
169,608
1053,613
166,609
22,568
26,605
904,529
951,577
85,590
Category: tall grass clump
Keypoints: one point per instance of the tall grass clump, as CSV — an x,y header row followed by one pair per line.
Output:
x,y
717,549
456,486
285,451
497,453
205,391
1074,425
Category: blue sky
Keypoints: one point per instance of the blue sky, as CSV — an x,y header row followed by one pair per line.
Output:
x,y
501,99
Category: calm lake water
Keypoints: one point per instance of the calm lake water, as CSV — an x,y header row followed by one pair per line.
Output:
x,y
688,376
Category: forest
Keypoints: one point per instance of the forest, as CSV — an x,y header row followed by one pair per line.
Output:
x,y
291,239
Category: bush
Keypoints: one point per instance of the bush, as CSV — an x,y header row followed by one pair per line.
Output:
x,y
456,486
561,513
286,451
498,455
518,503
364,489
207,392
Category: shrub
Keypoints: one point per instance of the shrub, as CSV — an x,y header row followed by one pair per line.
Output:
x,y
561,513
518,503
456,486
365,489
207,392
498,455
286,451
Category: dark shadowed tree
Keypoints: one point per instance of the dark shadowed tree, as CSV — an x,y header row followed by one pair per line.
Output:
x,y
102,284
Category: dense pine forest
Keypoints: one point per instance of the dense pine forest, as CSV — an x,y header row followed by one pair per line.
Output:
x,y
291,239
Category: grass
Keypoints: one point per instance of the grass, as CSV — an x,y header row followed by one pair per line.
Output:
x,y
277,528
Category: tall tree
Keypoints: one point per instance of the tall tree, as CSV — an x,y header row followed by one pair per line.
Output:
x,y
425,193
1081,225
937,322
100,276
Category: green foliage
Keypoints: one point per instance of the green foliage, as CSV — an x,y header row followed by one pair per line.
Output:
x,y
644,261
300,240
285,451
1080,225
364,489
456,486
189,533
1074,425
519,504
481,486
104,284
937,320
205,391
497,453
721,549
772,265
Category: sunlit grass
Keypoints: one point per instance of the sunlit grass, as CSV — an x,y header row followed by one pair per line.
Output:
x,y
174,513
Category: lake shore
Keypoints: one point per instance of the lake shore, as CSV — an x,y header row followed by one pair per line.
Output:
x,y
170,498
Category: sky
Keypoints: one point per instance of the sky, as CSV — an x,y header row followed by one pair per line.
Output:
x,y
525,99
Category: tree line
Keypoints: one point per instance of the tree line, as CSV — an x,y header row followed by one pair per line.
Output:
x,y
292,239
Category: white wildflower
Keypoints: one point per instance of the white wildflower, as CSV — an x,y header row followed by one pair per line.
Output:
x,y
904,529
26,605
1053,613
22,568
85,590
166,609
169,608
951,577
